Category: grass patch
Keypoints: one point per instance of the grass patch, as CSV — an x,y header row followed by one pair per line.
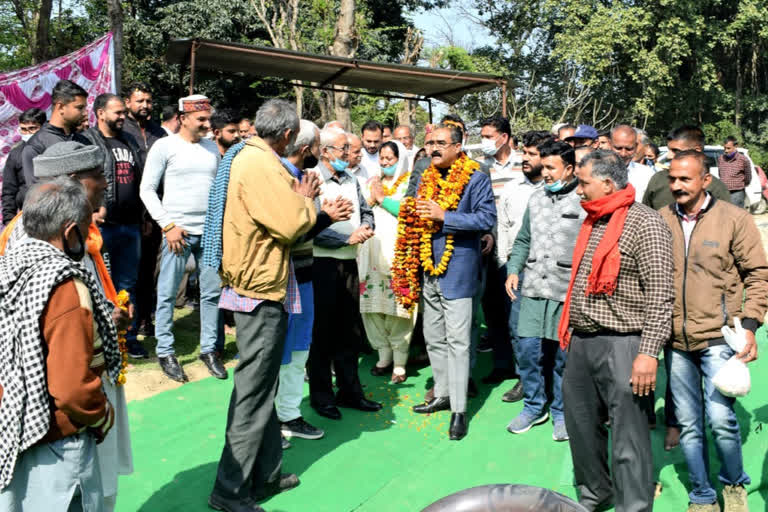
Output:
x,y
186,331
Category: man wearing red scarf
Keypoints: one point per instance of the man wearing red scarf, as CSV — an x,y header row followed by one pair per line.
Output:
x,y
616,318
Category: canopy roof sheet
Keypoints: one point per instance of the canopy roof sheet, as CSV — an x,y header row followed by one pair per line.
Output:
x,y
444,85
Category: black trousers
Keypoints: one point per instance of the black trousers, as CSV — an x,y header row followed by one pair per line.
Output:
x,y
337,331
253,454
596,384
496,308
145,285
670,417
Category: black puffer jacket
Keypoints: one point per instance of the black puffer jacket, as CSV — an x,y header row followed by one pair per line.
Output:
x,y
14,188
47,136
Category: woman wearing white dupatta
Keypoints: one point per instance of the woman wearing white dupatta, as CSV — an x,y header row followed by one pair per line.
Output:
x,y
388,325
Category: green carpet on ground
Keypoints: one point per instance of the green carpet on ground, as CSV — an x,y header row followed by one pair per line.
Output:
x,y
394,460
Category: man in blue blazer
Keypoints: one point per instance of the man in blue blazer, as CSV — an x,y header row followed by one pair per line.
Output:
x,y
447,298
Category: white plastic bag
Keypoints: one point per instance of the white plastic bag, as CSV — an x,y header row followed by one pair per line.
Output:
x,y
733,378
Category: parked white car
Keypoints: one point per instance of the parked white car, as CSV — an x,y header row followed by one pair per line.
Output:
x,y
755,201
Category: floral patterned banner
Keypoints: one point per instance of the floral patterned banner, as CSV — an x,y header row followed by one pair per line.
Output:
x,y
91,67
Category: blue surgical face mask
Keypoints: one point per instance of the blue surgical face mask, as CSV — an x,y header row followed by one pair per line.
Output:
x,y
339,165
389,171
554,187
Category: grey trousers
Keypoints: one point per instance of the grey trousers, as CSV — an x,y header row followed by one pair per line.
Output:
x,y
596,385
738,197
252,454
447,329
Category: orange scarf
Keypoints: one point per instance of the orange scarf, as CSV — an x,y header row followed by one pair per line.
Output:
x,y
93,245
6,234
606,262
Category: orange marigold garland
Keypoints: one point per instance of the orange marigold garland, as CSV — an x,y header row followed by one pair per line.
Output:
x,y
123,299
413,248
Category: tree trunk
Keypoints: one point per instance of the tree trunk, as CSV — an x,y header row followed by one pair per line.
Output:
x,y
739,90
414,42
299,92
344,45
115,11
42,40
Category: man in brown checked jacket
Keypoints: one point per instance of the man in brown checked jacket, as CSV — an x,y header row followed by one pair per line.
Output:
x,y
617,316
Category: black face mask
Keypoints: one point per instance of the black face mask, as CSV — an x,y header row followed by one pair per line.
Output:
x,y
310,161
78,253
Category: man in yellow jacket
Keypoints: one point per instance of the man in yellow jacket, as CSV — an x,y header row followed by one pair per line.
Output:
x,y
257,211
720,273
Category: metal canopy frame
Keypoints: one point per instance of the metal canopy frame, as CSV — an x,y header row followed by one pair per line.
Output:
x,y
329,73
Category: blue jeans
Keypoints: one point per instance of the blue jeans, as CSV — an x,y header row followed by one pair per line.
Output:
x,y
529,365
168,280
123,243
689,370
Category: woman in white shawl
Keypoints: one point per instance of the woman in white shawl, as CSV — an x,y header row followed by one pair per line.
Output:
x,y
387,324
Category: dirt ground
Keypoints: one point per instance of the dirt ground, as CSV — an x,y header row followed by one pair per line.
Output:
x,y
148,380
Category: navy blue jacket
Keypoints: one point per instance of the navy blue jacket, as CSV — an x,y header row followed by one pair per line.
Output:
x,y
475,216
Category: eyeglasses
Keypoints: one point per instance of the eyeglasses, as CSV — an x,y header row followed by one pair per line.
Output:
x,y
345,147
440,144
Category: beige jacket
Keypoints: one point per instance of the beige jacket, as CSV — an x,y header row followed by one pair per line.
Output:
x,y
263,218
724,274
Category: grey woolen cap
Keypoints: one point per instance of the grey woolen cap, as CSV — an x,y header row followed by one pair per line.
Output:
x,y
64,158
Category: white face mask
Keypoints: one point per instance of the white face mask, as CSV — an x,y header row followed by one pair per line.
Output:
x,y
26,136
488,147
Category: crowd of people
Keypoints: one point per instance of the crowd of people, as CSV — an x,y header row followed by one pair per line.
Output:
x,y
585,255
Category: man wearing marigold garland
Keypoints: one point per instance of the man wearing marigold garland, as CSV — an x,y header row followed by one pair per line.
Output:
x,y
454,206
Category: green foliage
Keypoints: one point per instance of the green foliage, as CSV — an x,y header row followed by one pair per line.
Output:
x,y
655,64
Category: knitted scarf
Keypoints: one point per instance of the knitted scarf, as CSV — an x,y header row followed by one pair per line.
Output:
x,y
606,262
28,275
214,217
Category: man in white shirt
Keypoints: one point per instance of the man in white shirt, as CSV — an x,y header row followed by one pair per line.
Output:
x,y
372,138
404,135
355,157
495,132
186,162
511,208
624,143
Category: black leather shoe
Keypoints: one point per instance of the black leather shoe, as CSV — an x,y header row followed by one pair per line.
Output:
x,y
381,371
329,411
214,365
172,369
515,394
286,482
361,404
217,502
442,403
499,375
458,426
